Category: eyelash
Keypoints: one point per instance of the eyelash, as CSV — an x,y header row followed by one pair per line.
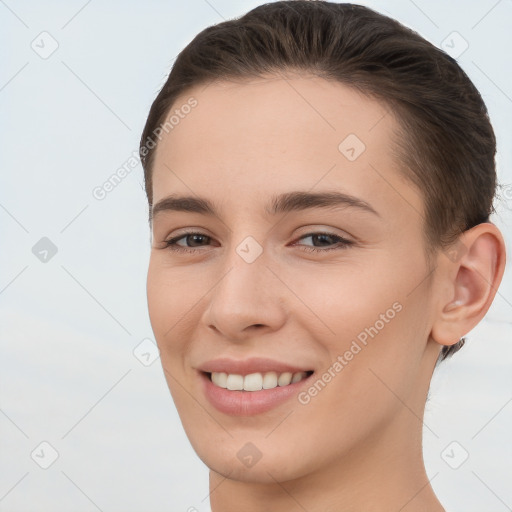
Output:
x,y
171,243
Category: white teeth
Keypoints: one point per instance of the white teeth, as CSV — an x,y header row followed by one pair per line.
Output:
x,y
235,382
220,379
255,381
270,380
284,379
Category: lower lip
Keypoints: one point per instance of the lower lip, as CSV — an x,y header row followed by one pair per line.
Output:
x,y
248,403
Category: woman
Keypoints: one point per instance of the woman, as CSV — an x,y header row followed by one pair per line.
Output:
x,y
320,180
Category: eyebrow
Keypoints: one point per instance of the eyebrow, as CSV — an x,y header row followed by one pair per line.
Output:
x,y
286,202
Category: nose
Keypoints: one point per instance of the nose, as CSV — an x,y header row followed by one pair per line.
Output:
x,y
248,299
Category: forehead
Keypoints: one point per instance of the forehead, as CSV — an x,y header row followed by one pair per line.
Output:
x,y
249,139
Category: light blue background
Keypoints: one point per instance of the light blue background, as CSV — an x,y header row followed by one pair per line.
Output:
x,y
69,326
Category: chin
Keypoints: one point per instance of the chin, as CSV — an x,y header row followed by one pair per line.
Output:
x,y
261,461
267,472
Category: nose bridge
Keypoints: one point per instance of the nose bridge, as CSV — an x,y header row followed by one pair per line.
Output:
x,y
247,275
248,293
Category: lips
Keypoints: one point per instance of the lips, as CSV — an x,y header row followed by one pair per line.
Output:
x,y
250,386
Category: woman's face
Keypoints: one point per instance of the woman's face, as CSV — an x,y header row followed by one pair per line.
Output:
x,y
273,282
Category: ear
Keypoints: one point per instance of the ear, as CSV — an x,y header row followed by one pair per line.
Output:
x,y
472,270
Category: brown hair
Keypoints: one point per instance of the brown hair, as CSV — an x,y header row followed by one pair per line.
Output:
x,y
446,146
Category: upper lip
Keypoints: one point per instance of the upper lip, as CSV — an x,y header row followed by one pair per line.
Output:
x,y
248,366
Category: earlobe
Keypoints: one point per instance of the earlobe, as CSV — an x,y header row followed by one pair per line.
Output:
x,y
472,282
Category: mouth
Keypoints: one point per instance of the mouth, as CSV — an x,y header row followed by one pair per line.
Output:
x,y
235,394
257,381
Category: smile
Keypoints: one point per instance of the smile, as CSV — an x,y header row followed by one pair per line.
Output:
x,y
235,394
256,381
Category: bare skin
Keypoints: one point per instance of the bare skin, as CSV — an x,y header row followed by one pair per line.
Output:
x,y
355,445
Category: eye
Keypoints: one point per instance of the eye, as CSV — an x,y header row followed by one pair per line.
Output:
x,y
336,241
327,241
190,237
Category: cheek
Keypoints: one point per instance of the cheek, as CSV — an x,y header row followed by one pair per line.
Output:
x,y
168,304
348,300
367,315
158,297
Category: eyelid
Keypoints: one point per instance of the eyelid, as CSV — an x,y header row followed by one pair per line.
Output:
x,y
315,229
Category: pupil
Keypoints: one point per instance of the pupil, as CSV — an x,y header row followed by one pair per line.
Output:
x,y
195,238
324,237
